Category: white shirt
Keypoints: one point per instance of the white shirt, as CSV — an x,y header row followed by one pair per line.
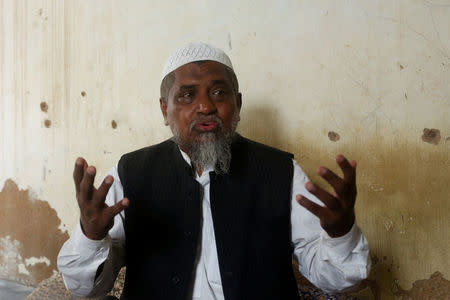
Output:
x,y
332,264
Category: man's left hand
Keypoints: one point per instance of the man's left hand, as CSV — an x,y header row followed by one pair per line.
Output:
x,y
338,214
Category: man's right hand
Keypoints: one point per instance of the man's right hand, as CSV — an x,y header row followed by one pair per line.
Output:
x,y
96,217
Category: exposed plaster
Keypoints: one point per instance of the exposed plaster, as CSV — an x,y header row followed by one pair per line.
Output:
x,y
28,248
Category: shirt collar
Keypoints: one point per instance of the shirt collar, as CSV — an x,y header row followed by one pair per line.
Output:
x,y
185,156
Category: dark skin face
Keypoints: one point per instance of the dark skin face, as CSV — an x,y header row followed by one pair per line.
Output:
x,y
200,93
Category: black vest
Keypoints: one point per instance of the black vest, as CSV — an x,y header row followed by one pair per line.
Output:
x,y
251,213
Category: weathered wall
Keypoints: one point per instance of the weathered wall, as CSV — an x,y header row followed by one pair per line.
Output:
x,y
369,79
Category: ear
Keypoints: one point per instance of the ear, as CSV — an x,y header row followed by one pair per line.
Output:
x,y
163,106
239,101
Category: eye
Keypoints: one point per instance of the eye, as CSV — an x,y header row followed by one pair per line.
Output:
x,y
218,92
186,97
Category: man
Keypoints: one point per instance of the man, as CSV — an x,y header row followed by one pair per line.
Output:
x,y
209,214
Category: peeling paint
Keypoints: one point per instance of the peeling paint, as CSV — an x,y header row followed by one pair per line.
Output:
x,y
406,188
431,136
35,260
22,269
434,288
28,249
10,257
389,226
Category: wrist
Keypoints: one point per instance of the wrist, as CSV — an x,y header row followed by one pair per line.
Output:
x,y
91,234
343,227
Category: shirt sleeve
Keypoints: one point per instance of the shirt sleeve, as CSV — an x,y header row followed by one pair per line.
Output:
x,y
80,257
331,264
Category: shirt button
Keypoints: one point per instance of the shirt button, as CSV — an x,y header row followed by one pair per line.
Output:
x,y
176,280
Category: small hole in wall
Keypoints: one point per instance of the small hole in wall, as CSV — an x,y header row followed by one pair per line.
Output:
x,y
44,106
431,136
333,136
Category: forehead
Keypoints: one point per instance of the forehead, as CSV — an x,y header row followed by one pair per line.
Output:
x,y
197,72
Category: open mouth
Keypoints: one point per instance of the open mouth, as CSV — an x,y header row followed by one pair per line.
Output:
x,y
206,126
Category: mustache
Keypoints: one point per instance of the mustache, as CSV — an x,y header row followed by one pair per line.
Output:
x,y
211,118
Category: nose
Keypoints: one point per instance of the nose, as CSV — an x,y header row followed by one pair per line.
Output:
x,y
206,105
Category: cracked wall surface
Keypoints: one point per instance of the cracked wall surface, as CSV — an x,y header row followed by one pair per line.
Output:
x,y
369,79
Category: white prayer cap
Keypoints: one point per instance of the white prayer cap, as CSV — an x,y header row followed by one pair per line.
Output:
x,y
195,52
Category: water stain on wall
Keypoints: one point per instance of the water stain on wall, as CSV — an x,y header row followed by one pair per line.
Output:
x,y
432,136
372,286
375,259
436,288
29,236
396,215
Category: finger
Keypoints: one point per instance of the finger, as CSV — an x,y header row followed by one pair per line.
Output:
x,y
78,172
329,201
335,181
86,185
102,191
314,208
347,169
118,207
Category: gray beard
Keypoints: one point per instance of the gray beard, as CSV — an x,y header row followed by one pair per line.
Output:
x,y
214,150
214,153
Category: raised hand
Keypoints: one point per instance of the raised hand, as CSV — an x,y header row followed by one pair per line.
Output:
x,y
338,214
96,216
